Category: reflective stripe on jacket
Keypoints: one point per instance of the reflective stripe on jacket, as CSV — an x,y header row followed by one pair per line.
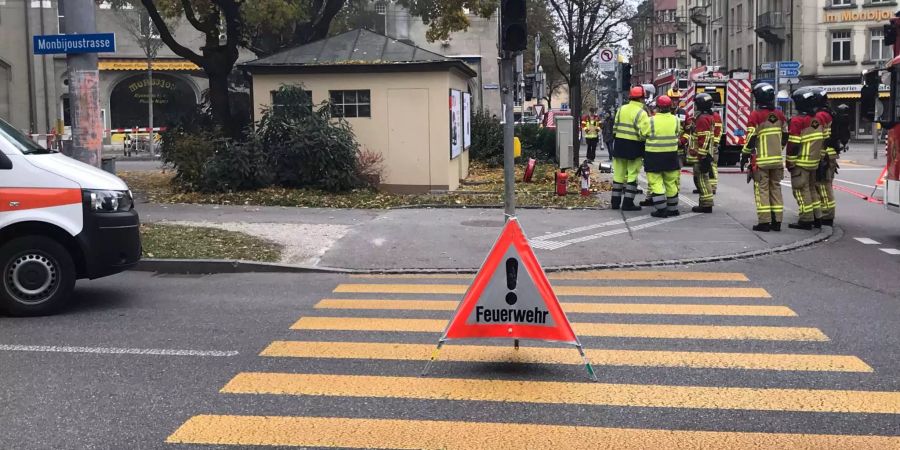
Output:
x,y
629,143
768,126
806,141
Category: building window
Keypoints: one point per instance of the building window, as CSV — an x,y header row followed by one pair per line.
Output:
x,y
61,17
672,63
350,103
740,56
740,16
380,9
278,101
749,57
841,2
840,46
877,52
731,27
673,39
751,13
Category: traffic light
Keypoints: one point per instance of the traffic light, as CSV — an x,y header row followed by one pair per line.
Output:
x,y
529,87
514,34
626,76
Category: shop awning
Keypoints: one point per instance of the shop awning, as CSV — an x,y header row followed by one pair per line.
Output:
x,y
854,95
171,65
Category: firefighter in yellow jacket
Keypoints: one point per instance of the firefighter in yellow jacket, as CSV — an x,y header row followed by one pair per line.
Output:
x,y
766,135
628,150
662,132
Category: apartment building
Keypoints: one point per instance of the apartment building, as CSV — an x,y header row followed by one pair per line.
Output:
x,y
658,40
34,88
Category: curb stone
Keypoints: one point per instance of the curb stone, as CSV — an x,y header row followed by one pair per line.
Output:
x,y
215,266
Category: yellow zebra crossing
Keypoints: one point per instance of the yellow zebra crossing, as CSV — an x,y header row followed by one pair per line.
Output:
x,y
397,317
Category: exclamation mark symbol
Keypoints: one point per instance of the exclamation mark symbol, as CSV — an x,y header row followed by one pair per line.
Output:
x,y
512,274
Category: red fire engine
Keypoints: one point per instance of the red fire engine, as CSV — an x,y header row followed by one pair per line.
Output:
x,y
890,112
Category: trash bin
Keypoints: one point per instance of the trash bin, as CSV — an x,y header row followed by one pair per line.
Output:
x,y
108,163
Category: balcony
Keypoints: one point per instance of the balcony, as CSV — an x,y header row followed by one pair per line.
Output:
x,y
680,24
699,16
770,27
700,51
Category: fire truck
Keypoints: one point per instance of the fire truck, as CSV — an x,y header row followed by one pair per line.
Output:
x,y
889,111
732,99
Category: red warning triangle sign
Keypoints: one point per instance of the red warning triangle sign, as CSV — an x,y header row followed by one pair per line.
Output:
x,y
511,297
881,177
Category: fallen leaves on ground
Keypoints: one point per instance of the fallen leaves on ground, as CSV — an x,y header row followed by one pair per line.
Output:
x,y
483,187
185,242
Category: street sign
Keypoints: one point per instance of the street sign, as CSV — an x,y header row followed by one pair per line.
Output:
x,y
789,65
789,73
607,58
767,66
74,43
788,80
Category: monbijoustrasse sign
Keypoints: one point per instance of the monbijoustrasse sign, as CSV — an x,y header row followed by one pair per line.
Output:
x,y
74,43
854,15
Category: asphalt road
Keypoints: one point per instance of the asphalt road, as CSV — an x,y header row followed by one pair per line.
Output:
x,y
800,350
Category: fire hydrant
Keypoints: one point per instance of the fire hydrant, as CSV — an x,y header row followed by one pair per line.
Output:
x,y
585,172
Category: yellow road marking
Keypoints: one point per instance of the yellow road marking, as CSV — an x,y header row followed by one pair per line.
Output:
x,y
533,355
434,435
648,275
662,331
586,291
595,308
555,392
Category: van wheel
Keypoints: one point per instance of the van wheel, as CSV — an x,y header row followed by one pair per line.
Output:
x,y
38,276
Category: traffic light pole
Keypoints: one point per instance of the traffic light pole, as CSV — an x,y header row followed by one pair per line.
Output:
x,y
508,89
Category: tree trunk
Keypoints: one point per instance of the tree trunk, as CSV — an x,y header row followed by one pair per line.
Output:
x,y
219,103
575,106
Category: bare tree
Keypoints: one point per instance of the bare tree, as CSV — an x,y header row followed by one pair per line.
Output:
x,y
586,26
137,23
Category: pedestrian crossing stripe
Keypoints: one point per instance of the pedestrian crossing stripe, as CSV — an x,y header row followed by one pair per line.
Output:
x,y
563,291
636,330
567,393
455,435
541,355
627,275
571,308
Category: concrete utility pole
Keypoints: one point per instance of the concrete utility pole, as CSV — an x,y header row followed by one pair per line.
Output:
x,y
84,87
507,91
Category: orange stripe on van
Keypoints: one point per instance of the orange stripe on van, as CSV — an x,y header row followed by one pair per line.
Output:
x,y
19,199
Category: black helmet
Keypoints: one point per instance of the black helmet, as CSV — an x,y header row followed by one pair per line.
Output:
x,y
703,102
807,99
842,110
822,99
764,94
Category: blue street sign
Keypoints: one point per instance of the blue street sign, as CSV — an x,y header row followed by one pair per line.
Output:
x,y
789,65
74,43
767,66
788,73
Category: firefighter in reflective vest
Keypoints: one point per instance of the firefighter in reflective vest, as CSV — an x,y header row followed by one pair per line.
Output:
x,y
828,165
662,132
590,125
766,136
628,150
700,153
804,151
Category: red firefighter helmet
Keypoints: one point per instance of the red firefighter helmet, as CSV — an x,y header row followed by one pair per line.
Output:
x,y
664,102
636,93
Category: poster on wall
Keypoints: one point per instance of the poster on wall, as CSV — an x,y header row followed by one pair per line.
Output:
x,y
467,120
456,134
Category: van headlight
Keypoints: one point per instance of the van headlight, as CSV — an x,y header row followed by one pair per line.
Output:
x,y
109,201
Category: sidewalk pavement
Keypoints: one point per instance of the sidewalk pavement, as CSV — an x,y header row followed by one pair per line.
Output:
x,y
427,239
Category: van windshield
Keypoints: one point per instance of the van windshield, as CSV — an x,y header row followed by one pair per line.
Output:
x,y
20,140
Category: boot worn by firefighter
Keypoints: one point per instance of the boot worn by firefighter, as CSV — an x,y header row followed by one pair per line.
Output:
x,y
702,209
764,227
647,202
801,225
628,205
817,223
776,226
828,222
660,213
616,202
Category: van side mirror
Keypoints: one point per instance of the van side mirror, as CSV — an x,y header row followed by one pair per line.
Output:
x,y
5,162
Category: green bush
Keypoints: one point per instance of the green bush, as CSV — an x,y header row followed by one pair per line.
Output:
x,y
487,139
188,153
537,142
307,146
237,166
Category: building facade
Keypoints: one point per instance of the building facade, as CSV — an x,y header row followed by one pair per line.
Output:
x,y
658,40
34,88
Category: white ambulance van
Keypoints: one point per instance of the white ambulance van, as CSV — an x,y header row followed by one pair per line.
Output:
x,y
60,220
